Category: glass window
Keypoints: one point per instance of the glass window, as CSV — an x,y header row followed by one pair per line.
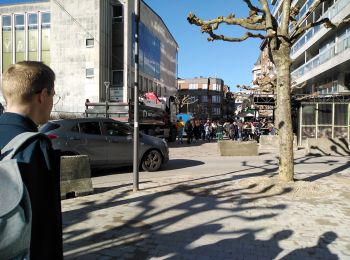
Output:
x,y
324,132
308,132
90,42
33,37
341,114
117,14
341,132
118,78
325,114
75,128
309,114
45,18
92,128
204,86
90,73
45,53
6,21
6,42
193,86
115,129
19,22
32,21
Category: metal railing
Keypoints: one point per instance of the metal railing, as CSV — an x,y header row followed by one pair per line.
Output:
x,y
330,13
321,58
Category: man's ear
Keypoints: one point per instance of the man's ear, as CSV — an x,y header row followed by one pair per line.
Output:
x,y
42,96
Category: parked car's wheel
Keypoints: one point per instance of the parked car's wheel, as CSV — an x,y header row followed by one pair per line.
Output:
x,y
151,161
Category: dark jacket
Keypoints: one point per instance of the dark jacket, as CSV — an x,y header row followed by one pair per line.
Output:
x,y
39,166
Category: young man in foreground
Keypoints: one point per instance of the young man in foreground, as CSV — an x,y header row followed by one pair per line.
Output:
x,y
28,88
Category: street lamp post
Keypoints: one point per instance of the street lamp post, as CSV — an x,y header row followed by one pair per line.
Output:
x,y
136,101
107,96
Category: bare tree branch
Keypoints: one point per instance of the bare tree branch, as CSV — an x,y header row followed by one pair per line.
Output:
x,y
247,35
252,7
301,21
285,17
252,23
326,22
271,24
294,86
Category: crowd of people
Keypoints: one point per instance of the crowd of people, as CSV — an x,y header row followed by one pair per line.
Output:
x,y
237,130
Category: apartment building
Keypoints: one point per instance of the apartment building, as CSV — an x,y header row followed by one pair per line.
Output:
x,y
207,97
321,67
90,46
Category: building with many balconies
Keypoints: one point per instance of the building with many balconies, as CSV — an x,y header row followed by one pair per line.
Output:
x,y
321,67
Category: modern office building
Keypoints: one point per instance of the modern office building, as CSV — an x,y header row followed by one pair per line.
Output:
x,y
208,98
321,67
90,45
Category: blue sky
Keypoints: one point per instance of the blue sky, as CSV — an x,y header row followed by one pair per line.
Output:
x,y
233,62
19,1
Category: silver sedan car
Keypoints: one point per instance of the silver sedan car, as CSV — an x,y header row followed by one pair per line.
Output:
x,y
107,142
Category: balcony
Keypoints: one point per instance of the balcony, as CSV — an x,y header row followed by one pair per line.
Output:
x,y
333,11
331,52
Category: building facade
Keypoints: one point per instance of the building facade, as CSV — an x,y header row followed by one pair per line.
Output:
x,y
321,67
90,46
207,97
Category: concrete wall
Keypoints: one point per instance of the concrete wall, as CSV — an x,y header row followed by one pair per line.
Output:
x,y
75,176
69,55
327,146
233,148
271,142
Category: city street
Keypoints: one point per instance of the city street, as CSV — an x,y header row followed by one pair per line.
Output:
x,y
203,206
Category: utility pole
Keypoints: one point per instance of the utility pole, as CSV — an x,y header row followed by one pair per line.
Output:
x,y
136,100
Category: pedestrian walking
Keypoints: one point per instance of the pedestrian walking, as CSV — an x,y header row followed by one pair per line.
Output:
x,y
180,129
189,131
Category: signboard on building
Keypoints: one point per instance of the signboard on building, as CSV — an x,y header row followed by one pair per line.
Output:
x,y
116,94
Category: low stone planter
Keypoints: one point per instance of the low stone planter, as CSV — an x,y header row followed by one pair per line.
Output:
x,y
75,176
236,148
271,142
327,146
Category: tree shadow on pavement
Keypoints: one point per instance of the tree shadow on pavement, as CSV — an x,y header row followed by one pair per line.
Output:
x,y
321,173
211,217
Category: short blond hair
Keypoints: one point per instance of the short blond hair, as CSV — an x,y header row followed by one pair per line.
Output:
x,y
25,79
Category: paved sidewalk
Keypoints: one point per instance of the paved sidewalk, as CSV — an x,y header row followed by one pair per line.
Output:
x,y
203,206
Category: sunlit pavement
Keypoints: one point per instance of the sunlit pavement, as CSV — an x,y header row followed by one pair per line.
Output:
x,y
203,206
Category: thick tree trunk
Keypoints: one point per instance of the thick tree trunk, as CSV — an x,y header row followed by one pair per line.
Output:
x,y
284,116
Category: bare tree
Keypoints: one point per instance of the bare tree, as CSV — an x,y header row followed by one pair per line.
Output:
x,y
182,100
261,24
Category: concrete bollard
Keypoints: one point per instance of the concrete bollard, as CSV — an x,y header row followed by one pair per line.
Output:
x,y
235,148
75,176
